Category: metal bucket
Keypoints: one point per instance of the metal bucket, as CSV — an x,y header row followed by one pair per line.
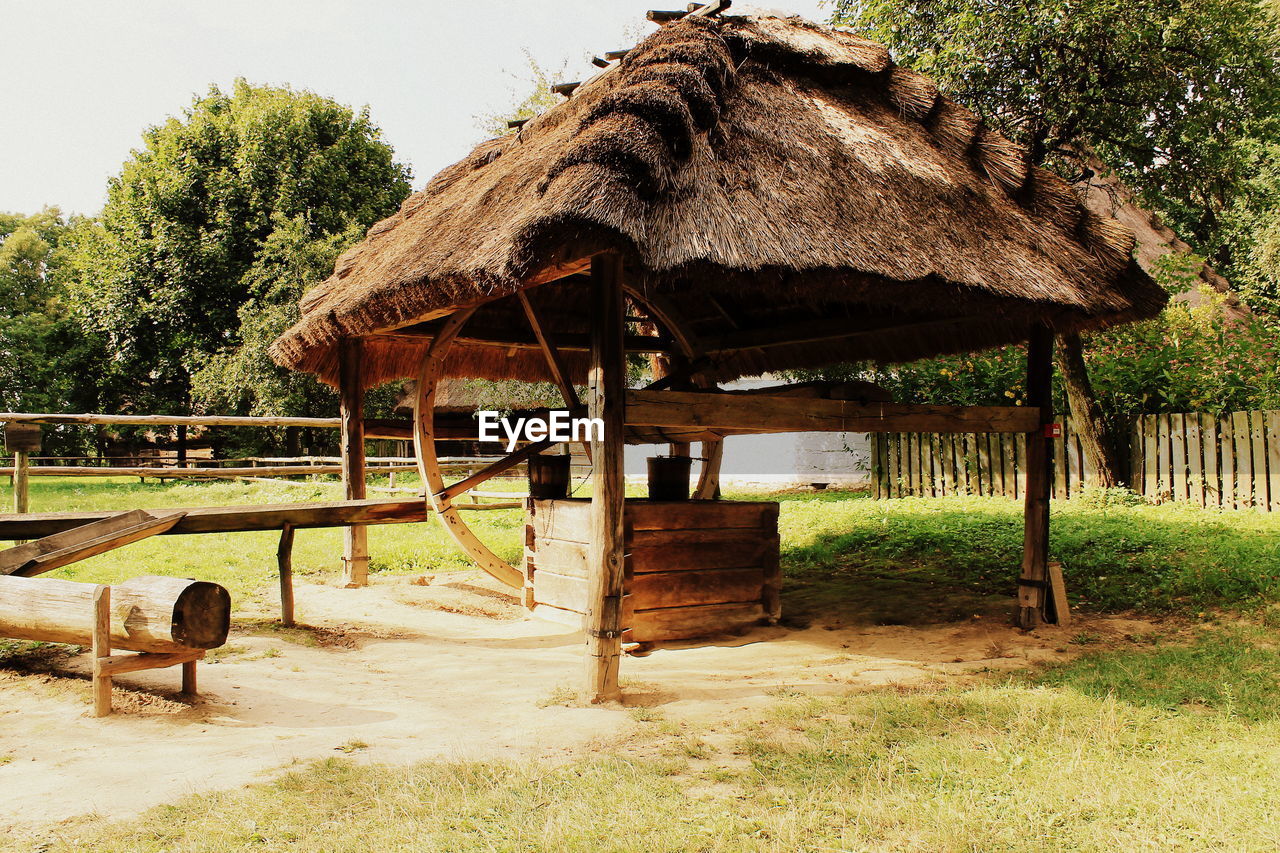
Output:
x,y
669,478
549,477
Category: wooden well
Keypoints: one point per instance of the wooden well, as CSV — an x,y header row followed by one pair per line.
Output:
x,y
692,568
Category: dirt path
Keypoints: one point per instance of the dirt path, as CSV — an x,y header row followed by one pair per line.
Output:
x,y
399,672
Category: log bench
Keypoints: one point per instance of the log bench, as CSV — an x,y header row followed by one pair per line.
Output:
x,y
165,621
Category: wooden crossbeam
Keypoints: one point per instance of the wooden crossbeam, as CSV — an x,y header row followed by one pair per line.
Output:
x,y
566,89
777,413
565,342
507,462
88,540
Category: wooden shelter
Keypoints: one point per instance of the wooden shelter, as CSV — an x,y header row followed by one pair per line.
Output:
x,y
736,195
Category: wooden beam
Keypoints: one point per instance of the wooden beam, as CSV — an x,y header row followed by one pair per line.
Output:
x,y
100,639
355,550
196,473
21,481
163,420
565,342
554,363
232,519
764,413
98,537
1034,578
605,561
490,471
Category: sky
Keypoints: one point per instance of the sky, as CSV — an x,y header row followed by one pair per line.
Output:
x,y
83,78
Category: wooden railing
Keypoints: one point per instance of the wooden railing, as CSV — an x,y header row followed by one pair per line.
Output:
x,y
1231,461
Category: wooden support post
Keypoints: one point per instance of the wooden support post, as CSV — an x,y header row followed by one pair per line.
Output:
x,y
355,550
101,651
284,560
189,678
21,481
605,565
1034,578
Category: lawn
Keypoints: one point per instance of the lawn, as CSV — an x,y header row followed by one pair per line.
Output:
x,y
1168,741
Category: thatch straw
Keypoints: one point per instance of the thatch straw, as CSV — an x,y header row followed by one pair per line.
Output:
x,y
785,169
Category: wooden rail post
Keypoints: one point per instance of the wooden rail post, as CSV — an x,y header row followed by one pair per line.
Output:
x,y
605,547
1034,578
101,651
284,560
355,550
21,481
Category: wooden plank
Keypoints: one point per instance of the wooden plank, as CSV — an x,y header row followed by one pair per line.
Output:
x,y
62,549
101,650
1258,449
1039,481
568,592
948,449
1227,449
1273,458
1244,459
1164,454
492,470
1178,457
986,472
687,622
1135,455
231,519
782,413
1020,460
1074,459
163,420
196,473
892,484
21,481
121,664
1195,459
1151,458
1058,590
688,589
742,552
911,461
878,485
605,561
1209,441
1008,466
697,515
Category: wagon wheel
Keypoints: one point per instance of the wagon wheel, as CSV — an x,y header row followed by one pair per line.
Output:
x,y
441,498
424,441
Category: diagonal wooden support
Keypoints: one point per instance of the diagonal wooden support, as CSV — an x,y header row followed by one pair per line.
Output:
x,y
554,362
87,540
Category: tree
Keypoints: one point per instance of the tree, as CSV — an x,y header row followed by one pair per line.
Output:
x,y
216,224
44,357
1172,99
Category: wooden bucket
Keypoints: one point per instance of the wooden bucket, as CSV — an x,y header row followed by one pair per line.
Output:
x,y
669,478
549,477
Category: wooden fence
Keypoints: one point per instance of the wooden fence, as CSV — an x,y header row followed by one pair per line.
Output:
x,y
1231,461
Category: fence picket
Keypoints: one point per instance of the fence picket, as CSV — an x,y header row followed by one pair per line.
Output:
x,y
1273,458
1244,459
1151,458
1178,457
1195,459
1210,438
1020,460
1258,440
1059,468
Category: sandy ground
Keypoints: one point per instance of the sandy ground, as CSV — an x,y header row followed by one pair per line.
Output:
x,y
402,671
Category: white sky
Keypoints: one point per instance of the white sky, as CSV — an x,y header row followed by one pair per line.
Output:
x,y
83,78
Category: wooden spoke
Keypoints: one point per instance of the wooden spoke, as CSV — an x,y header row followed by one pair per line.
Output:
x,y
428,465
554,362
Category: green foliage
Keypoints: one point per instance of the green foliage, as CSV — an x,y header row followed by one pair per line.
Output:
x,y
44,357
217,223
539,99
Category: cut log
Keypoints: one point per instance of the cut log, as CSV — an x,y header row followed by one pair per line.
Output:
x,y
80,543
148,614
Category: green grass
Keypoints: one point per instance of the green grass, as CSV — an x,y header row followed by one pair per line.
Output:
x,y
846,557
1004,767
245,563
1233,670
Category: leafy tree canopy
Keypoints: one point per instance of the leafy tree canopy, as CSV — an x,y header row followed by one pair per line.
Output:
x,y
212,230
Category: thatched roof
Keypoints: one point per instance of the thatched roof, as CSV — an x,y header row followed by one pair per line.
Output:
x,y
761,174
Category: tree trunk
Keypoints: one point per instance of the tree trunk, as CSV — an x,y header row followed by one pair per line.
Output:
x,y
1086,413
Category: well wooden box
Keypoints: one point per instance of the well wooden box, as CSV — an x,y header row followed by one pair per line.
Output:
x,y
693,568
